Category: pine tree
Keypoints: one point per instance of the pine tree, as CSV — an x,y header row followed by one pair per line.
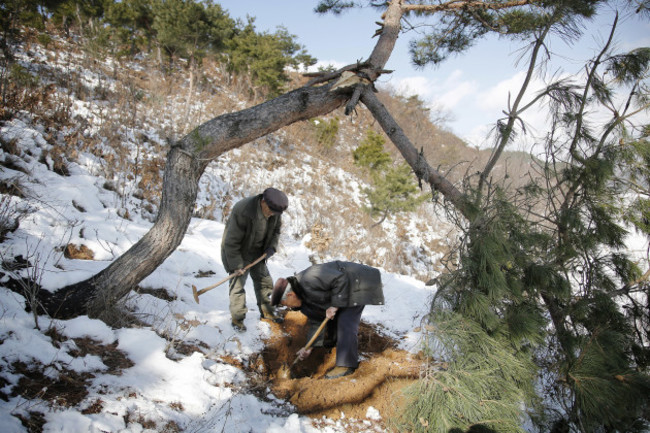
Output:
x,y
393,191
264,56
549,277
190,29
370,153
565,277
393,187
635,159
480,388
79,13
131,22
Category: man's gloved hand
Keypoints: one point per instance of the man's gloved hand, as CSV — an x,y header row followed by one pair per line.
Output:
x,y
269,252
331,312
239,272
304,353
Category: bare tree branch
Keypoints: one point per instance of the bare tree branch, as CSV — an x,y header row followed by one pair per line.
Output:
x,y
514,112
467,4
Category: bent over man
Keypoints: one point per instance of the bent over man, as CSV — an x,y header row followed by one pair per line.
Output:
x,y
252,229
339,291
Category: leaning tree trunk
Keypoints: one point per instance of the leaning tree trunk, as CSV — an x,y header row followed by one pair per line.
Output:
x,y
180,186
415,159
189,157
186,162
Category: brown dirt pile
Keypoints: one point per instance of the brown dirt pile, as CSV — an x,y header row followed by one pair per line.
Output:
x,y
383,373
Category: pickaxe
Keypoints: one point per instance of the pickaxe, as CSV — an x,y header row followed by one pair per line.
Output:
x,y
198,293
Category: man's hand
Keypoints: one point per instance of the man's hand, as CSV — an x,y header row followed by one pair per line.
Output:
x,y
269,252
331,312
304,353
239,272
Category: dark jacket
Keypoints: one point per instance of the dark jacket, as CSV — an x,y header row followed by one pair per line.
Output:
x,y
237,240
338,284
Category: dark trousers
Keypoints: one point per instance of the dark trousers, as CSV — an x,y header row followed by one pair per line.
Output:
x,y
263,285
347,336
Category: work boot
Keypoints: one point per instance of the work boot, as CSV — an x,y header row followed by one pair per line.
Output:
x,y
337,372
270,314
238,325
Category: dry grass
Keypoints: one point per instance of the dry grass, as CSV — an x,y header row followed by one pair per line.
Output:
x,y
143,98
143,102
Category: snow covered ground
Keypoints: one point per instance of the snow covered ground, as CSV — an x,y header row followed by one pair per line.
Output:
x,y
162,390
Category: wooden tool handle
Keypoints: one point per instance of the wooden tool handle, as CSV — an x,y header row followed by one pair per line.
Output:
x,y
259,259
318,331
311,341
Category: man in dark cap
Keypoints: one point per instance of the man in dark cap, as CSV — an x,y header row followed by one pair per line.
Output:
x,y
252,229
336,290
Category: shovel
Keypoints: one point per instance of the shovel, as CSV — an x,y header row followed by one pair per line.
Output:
x,y
198,293
285,372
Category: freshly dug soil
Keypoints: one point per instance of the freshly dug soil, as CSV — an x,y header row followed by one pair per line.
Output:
x,y
383,373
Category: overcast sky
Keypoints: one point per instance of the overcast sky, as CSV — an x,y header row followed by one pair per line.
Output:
x,y
472,88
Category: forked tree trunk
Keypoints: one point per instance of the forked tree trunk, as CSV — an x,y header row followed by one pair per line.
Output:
x,y
189,157
186,162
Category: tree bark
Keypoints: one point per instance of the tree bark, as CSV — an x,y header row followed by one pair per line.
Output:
x,y
469,4
180,186
186,162
417,162
188,158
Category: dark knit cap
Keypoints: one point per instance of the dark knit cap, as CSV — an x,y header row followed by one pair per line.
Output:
x,y
275,199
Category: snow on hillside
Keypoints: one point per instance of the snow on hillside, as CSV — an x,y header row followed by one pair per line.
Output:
x,y
148,112
156,388
196,392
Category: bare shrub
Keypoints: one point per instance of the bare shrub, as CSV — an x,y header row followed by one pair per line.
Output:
x,y
56,159
10,147
320,239
209,210
12,187
9,217
151,179
18,88
12,211
173,327
26,274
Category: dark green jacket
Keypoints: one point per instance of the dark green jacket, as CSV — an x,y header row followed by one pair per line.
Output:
x,y
237,240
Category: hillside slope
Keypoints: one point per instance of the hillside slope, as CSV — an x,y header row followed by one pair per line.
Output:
x,y
124,115
83,143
